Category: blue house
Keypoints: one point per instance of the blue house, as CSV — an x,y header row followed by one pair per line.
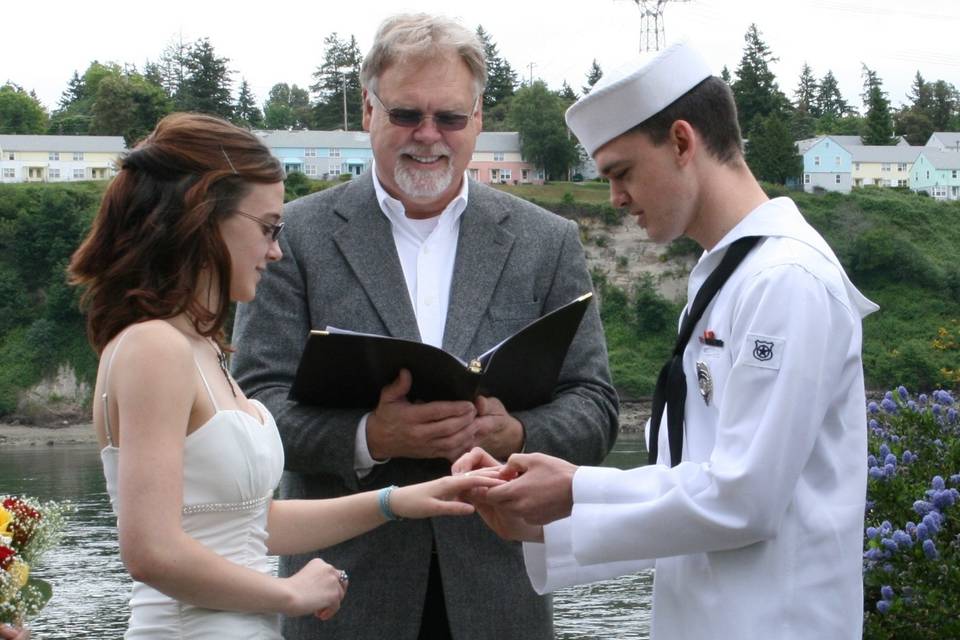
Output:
x,y
937,173
826,164
323,155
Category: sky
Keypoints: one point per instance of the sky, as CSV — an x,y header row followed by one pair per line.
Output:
x,y
553,40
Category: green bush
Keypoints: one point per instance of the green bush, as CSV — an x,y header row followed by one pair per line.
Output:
x,y
912,535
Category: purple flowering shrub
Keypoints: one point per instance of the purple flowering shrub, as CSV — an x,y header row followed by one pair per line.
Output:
x,y
911,559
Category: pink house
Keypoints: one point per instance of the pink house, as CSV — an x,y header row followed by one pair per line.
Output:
x,y
497,159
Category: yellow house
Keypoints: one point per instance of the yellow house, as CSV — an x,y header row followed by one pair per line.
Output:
x,y
41,158
882,166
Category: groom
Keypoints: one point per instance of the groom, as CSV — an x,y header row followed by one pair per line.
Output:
x,y
415,249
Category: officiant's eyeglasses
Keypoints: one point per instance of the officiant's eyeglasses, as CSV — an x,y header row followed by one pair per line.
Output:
x,y
269,228
413,118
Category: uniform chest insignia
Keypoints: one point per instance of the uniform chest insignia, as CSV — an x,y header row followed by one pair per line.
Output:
x,y
704,381
762,350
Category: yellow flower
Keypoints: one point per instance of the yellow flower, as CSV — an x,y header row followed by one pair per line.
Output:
x,y
6,519
20,572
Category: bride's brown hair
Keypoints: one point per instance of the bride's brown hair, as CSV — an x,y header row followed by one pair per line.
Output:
x,y
157,228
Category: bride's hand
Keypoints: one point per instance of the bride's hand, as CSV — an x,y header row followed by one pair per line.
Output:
x,y
318,588
441,497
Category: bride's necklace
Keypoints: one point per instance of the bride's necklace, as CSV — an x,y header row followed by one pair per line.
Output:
x,y
222,361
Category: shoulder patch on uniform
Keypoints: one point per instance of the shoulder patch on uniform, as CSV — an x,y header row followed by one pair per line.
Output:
x,y
762,351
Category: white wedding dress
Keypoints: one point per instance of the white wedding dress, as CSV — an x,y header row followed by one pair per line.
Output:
x,y
231,466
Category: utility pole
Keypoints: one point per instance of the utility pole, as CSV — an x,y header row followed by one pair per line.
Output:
x,y
343,79
531,66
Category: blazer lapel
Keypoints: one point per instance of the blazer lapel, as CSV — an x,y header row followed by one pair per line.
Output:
x,y
482,252
367,244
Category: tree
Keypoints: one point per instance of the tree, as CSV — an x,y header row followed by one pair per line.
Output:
x,y
501,84
206,86
878,123
73,93
944,103
20,112
725,75
913,120
339,73
287,107
771,152
247,113
593,76
129,105
537,114
830,102
755,90
172,66
567,94
805,96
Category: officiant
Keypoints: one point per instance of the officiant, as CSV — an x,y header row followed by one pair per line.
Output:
x,y
415,248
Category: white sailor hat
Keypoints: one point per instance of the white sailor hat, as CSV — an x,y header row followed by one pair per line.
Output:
x,y
632,94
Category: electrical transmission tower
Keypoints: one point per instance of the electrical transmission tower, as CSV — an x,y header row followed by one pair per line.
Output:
x,y
651,23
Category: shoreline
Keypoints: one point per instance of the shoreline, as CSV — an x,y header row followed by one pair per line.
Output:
x,y
65,432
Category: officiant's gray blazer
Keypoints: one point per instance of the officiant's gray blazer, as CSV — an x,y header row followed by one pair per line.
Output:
x,y
340,267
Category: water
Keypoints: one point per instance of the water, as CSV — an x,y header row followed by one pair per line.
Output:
x,y
91,586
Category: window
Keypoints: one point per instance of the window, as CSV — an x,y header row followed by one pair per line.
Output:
x,y
885,167
475,174
498,156
334,152
525,175
901,166
11,155
78,155
806,178
334,170
54,173
494,175
816,161
836,160
928,174
954,173
856,166
837,178
539,174
504,176
310,152
311,170
79,174
939,192
9,172
54,155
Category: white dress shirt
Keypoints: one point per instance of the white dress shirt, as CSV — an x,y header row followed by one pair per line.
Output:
x,y
427,250
758,531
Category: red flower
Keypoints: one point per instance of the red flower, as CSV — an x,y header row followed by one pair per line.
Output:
x,y
6,556
25,519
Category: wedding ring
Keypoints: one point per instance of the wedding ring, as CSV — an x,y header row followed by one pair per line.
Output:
x,y
343,577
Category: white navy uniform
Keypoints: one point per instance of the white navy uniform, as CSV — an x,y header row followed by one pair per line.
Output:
x,y
758,532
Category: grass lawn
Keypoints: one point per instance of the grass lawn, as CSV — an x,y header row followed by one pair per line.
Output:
x,y
592,192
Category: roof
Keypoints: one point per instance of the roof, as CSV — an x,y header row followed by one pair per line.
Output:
x,y
942,159
872,153
948,139
506,141
315,139
91,144
847,142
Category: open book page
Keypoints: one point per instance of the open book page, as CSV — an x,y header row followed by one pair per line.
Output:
x,y
332,329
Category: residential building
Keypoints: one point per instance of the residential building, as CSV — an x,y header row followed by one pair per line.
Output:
x,y
945,141
826,165
42,158
324,155
937,173
882,166
497,159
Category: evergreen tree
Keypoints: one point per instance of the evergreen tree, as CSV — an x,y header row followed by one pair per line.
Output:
x,y
771,152
913,120
537,114
944,105
247,113
725,75
878,123
172,67
338,76
567,94
74,92
20,112
206,86
805,97
593,76
755,90
501,85
921,95
830,102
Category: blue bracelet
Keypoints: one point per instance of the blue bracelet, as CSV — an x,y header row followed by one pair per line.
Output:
x,y
383,498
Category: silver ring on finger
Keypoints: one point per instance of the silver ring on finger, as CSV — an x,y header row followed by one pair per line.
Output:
x,y
344,577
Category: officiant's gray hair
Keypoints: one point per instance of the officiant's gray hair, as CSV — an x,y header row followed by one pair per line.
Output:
x,y
420,37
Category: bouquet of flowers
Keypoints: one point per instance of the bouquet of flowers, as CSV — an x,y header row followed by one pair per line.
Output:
x,y
28,528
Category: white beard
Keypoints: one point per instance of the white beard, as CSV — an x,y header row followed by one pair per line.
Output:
x,y
423,184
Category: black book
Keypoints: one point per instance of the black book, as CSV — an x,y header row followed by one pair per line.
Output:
x,y
344,369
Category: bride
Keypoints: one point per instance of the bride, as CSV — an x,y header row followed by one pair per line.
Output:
x,y
187,226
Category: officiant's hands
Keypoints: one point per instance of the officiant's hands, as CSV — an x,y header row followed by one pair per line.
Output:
x,y
318,588
398,428
8,632
539,490
497,432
